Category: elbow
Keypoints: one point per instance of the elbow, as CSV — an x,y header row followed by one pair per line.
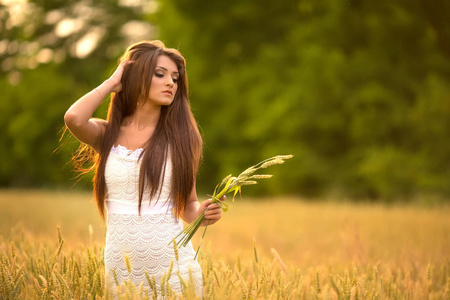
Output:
x,y
68,118
71,120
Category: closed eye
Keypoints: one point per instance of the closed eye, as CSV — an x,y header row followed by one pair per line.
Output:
x,y
160,75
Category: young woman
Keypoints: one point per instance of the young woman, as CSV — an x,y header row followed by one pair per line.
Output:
x,y
146,159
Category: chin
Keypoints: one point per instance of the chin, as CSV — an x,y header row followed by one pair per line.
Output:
x,y
167,103
162,102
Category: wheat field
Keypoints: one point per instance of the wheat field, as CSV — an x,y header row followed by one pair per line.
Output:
x,y
51,245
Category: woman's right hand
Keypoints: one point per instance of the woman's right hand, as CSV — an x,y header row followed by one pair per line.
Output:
x,y
116,77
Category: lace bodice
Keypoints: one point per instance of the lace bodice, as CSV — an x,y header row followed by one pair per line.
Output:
x,y
122,180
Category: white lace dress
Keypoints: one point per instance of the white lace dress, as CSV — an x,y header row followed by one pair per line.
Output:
x,y
144,239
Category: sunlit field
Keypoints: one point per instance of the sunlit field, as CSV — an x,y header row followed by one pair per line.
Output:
x,y
275,248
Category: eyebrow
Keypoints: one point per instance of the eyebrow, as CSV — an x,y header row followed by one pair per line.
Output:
x,y
166,69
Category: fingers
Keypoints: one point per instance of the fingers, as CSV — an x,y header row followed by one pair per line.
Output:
x,y
213,212
213,218
214,206
118,72
123,65
206,203
116,77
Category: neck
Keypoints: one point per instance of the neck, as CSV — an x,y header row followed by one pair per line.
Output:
x,y
145,116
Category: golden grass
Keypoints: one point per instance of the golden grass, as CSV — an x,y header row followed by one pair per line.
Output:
x,y
302,250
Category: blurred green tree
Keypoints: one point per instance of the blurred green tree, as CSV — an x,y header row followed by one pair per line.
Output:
x,y
357,90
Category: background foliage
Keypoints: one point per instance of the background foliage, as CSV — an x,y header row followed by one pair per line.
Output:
x,y
357,90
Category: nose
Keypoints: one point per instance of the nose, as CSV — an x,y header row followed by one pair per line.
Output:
x,y
170,82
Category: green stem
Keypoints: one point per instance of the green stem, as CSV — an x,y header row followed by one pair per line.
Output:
x,y
192,228
201,241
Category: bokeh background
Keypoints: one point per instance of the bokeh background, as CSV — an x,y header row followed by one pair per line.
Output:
x,y
357,90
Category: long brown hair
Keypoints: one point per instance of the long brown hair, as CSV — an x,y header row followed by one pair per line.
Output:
x,y
176,133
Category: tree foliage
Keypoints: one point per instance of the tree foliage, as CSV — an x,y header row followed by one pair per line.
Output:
x,y
356,90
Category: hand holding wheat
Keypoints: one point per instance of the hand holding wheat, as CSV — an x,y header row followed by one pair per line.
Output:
x,y
230,185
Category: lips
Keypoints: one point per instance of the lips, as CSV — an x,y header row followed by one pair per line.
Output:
x,y
168,92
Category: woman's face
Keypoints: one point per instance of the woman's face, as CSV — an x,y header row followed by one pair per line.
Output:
x,y
164,82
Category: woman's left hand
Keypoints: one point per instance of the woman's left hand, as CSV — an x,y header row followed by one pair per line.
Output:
x,y
213,212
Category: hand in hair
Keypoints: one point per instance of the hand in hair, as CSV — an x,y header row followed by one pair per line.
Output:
x,y
78,117
116,77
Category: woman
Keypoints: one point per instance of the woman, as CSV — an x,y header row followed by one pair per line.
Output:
x,y
146,159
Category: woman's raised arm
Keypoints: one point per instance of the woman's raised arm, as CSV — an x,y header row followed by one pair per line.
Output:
x,y
78,117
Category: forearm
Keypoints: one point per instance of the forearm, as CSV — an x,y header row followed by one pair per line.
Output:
x,y
82,110
191,211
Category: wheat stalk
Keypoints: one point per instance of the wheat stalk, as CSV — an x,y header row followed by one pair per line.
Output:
x,y
229,184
